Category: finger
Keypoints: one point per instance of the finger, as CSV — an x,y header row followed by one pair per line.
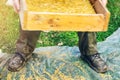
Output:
x,y
16,6
104,2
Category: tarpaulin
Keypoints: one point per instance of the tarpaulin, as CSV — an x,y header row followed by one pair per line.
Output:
x,y
64,63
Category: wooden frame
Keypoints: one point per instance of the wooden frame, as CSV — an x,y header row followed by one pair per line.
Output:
x,y
63,22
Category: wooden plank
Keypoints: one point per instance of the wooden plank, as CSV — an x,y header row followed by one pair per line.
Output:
x,y
92,1
101,9
65,22
22,13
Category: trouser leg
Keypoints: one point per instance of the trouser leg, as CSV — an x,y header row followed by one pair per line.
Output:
x,y
87,43
27,41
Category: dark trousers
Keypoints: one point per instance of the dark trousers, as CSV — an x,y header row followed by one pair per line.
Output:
x,y
28,39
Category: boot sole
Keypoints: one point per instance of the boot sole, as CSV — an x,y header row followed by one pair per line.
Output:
x,y
94,68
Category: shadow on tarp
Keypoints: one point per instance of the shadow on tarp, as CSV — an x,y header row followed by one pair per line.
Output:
x,y
64,63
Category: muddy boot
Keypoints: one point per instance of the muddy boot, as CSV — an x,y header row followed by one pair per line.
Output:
x,y
17,62
96,62
25,46
89,53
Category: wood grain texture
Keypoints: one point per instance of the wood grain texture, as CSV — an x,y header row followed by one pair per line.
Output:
x,y
65,22
100,9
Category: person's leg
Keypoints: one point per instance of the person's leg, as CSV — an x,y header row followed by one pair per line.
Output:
x,y
87,43
24,48
27,41
89,53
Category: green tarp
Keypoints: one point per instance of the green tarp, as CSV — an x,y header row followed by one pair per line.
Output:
x,y
64,63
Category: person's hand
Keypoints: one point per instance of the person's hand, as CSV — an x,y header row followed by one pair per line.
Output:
x,y
104,2
16,5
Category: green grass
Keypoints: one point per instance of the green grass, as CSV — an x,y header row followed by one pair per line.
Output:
x,y
70,38
114,8
9,29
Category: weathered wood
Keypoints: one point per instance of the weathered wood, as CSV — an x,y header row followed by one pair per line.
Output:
x,y
65,22
100,9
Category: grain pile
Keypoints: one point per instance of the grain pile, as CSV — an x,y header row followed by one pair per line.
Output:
x,y
61,6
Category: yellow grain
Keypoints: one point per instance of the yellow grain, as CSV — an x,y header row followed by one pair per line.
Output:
x,y
9,76
22,77
61,6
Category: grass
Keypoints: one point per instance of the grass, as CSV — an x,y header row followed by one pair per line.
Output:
x,y
114,8
9,29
